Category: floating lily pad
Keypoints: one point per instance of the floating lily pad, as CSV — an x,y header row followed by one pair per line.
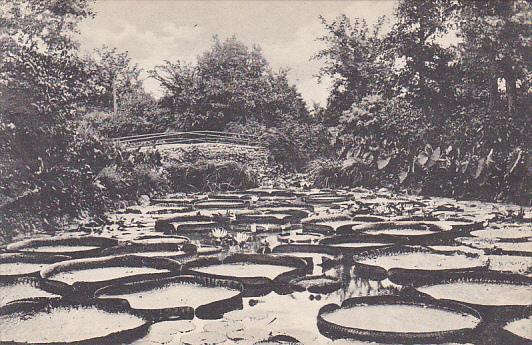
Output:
x,y
504,233
258,273
152,239
243,270
25,264
208,250
483,293
168,250
521,328
511,263
299,237
54,321
264,218
22,288
219,204
75,247
326,198
316,284
411,232
327,224
404,262
397,319
178,297
87,275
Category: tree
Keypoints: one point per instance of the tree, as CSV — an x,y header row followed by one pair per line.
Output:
x,y
44,26
424,69
352,60
496,35
116,78
229,83
44,85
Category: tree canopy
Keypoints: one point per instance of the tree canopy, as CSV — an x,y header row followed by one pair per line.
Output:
x,y
228,83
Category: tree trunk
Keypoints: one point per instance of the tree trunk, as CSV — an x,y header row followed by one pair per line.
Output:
x,y
511,93
493,87
115,105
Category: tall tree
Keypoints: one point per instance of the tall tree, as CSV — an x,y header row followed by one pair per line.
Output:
x,y
352,60
229,83
43,85
115,76
424,68
496,35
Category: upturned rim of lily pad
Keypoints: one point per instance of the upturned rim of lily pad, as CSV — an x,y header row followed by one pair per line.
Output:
x,y
405,276
488,312
38,258
65,241
32,305
253,286
335,331
87,289
211,310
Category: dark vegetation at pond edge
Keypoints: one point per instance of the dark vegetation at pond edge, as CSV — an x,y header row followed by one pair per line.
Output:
x,y
404,111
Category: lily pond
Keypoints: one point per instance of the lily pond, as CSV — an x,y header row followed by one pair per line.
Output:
x,y
277,266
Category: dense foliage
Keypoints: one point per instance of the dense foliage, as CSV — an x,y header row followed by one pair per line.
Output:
x,y
410,111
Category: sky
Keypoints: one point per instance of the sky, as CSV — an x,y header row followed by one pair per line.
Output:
x,y
152,31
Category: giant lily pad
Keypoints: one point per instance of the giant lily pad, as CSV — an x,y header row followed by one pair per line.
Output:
x,y
522,328
26,265
55,321
398,320
504,233
258,273
495,295
12,289
219,204
403,264
167,250
75,247
178,297
84,276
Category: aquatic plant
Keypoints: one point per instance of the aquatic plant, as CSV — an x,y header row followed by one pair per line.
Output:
x,y
219,233
241,238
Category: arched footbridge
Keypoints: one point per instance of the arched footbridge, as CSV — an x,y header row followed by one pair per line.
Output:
x,y
169,140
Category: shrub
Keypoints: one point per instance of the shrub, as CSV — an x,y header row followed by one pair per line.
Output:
x,y
291,144
211,176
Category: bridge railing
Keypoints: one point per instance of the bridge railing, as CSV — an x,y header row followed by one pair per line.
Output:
x,y
193,137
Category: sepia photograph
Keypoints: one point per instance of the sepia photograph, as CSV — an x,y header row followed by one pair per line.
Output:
x,y
257,172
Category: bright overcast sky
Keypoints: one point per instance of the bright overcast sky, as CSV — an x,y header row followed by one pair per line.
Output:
x,y
154,31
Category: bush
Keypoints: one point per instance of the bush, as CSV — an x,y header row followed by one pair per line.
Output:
x,y
211,176
291,144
